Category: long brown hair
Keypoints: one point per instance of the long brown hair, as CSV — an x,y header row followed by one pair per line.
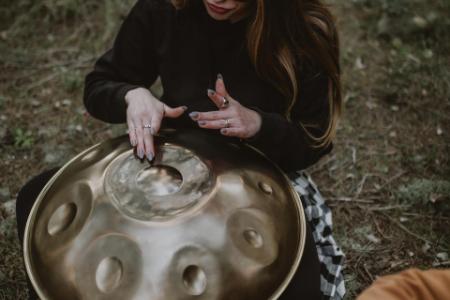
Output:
x,y
282,35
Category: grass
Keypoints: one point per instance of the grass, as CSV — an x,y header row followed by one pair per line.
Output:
x,y
387,180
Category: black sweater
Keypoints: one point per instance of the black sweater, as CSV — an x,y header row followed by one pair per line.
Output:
x,y
187,49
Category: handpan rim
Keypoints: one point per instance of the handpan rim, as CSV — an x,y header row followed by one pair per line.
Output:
x,y
31,222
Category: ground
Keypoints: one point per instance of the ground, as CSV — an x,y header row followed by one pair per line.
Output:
x,y
387,180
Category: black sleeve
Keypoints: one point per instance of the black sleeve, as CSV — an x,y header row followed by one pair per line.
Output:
x,y
128,65
286,142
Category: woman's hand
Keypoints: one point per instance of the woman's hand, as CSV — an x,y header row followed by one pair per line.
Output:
x,y
232,118
144,116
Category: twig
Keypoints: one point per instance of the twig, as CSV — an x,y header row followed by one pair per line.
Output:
x,y
396,264
37,69
367,272
441,264
377,226
349,199
426,216
383,208
361,185
354,155
74,63
392,179
42,81
402,227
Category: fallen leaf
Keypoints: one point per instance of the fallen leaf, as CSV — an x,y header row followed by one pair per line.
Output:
x,y
426,247
420,22
371,237
428,54
359,64
395,108
442,256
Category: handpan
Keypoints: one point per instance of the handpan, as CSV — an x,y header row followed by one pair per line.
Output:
x,y
206,219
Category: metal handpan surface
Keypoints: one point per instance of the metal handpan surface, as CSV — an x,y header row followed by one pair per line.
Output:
x,y
206,219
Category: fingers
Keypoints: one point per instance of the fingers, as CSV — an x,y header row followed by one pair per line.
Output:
x,y
155,124
216,124
210,115
220,86
132,133
219,100
220,96
140,147
233,132
174,112
167,112
141,137
148,144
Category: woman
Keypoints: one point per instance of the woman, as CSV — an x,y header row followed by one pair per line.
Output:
x,y
263,72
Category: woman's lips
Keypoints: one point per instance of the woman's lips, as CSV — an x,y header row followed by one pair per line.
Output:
x,y
218,10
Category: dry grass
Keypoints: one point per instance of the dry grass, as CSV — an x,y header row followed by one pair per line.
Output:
x,y
387,179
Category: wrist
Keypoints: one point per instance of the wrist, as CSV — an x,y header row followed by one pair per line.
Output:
x,y
131,94
257,123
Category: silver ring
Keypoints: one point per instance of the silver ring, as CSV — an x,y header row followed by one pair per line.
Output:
x,y
227,123
225,102
148,126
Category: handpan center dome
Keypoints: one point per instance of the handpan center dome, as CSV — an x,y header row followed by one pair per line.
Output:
x,y
174,182
159,180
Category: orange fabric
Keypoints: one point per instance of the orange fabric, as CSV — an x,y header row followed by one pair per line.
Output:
x,y
411,284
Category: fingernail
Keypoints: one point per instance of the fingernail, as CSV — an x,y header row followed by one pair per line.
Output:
x,y
184,107
193,115
223,131
133,142
201,123
219,76
211,92
150,156
140,153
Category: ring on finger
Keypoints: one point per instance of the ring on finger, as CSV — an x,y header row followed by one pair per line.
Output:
x,y
227,123
149,127
225,102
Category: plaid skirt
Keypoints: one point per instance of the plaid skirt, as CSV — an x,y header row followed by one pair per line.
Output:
x,y
318,215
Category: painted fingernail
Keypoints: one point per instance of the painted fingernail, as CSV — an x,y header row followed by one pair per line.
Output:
x,y
211,92
219,76
140,153
150,156
193,115
201,123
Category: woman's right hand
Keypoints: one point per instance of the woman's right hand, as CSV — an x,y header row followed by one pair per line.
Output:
x,y
144,116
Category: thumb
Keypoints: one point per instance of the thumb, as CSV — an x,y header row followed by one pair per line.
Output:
x,y
170,112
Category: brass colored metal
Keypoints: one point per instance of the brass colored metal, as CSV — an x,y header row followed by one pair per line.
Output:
x,y
206,219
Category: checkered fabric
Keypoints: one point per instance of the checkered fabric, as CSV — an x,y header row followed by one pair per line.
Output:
x,y
318,214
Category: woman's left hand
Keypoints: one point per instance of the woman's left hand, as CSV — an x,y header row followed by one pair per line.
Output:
x,y
232,118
